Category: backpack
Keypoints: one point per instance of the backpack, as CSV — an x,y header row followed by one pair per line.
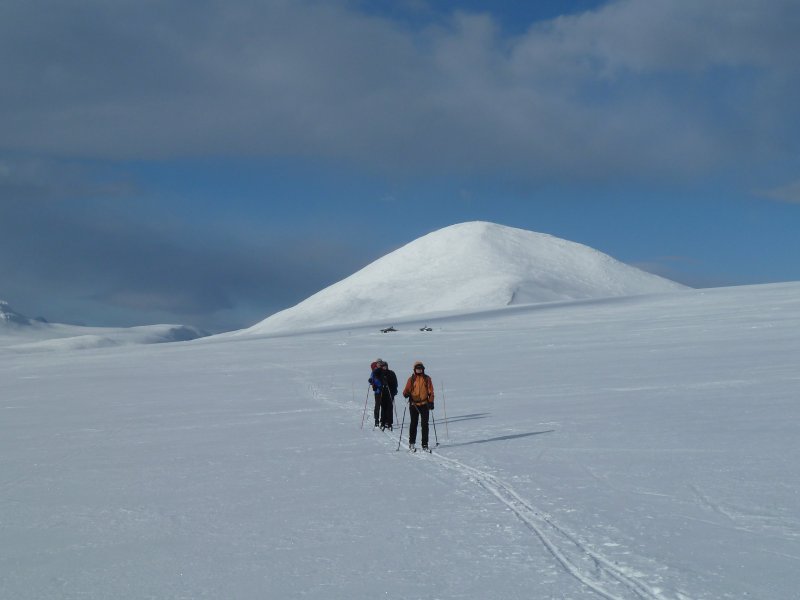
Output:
x,y
376,384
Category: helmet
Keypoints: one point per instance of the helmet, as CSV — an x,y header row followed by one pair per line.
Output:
x,y
419,364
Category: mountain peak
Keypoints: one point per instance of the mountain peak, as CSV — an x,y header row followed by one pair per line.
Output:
x,y
468,267
9,315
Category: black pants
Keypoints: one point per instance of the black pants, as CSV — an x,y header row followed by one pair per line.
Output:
x,y
384,409
377,411
387,410
416,413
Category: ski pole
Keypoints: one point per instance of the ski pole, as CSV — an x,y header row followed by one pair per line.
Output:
x,y
366,400
403,422
444,405
435,437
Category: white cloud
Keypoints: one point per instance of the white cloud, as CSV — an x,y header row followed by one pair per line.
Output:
x,y
673,35
788,193
653,87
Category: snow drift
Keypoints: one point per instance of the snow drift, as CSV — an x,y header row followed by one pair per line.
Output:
x,y
465,268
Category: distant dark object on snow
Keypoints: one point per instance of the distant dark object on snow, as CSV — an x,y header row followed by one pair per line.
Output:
x,y
425,329
388,329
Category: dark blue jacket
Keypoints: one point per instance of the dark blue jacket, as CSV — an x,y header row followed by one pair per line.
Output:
x,y
380,379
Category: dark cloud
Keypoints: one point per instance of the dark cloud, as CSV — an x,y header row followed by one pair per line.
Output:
x,y
652,87
66,259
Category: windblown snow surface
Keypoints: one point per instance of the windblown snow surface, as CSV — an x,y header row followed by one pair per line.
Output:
x,y
629,448
463,268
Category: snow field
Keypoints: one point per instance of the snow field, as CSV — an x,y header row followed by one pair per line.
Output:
x,y
622,449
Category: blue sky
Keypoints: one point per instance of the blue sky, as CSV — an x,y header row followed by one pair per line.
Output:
x,y
213,162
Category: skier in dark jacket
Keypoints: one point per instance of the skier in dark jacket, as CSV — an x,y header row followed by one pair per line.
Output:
x,y
384,384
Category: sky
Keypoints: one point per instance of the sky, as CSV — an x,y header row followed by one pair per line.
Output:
x,y
210,163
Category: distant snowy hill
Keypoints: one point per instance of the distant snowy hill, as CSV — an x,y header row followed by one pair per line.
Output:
x,y
464,268
18,332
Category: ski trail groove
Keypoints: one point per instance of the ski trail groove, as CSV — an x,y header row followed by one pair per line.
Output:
x,y
567,550
711,505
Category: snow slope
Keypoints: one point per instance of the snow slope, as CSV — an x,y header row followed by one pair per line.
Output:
x,y
464,268
625,449
31,335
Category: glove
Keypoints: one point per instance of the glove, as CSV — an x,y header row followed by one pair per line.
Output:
x,y
430,405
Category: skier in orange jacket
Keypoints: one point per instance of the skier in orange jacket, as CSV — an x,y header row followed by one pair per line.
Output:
x,y
419,391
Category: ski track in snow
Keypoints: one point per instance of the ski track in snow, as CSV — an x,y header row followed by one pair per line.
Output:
x,y
711,505
588,566
752,522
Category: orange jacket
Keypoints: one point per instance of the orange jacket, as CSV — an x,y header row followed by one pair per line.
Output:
x,y
419,389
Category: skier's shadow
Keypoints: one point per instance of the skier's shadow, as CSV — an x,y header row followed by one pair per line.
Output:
x,y
498,439
464,418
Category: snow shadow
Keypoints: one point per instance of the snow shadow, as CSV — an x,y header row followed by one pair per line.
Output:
x,y
497,439
463,418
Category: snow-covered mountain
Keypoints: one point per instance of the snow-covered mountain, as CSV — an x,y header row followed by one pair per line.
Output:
x,y
8,316
22,333
465,268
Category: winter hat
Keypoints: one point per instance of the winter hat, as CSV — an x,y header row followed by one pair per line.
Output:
x,y
419,364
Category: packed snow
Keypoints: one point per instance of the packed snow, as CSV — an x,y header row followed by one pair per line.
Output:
x,y
37,335
464,268
624,448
